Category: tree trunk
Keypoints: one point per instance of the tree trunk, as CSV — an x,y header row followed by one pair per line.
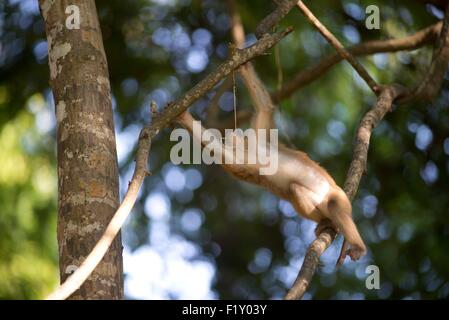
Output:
x,y
88,193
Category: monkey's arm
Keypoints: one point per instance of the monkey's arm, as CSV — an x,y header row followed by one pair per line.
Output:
x,y
205,137
233,154
340,210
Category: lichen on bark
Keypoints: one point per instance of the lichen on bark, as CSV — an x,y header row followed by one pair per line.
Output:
x,y
88,192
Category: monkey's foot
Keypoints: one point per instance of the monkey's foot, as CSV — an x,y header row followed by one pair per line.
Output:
x,y
355,253
323,224
184,117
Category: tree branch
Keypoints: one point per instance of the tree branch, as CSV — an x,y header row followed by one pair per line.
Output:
x,y
311,261
304,77
162,120
433,80
387,96
338,46
358,166
267,24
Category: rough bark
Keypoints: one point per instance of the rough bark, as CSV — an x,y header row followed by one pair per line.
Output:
x,y
159,121
88,193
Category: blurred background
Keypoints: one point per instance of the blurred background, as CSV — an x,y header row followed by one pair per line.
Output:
x,y
196,232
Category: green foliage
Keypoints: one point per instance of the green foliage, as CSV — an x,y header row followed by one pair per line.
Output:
x,y
27,222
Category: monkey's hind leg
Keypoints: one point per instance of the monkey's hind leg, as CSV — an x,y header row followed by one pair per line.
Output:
x,y
301,199
339,209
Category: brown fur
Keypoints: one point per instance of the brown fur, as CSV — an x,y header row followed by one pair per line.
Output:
x,y
290,186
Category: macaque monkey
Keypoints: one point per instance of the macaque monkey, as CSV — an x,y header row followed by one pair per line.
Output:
x,y
298,179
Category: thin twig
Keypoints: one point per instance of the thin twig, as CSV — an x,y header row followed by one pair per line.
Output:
x,y
234,100
242,116
339,47
307,76
162,120
371,119
277,59
214,105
